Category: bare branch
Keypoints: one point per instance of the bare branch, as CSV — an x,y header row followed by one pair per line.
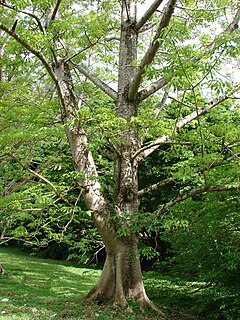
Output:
x,y
43,179
169,180
14,186
161,104
37,20
234,24
231,28
98,82
148,14
207,108
22,210
180,102
112,38
163,140
81,51
155,186
41,57
218,163
2,50
200,8
194,192
152,50
55,10
154,87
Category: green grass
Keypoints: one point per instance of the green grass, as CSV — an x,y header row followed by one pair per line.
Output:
x,y
33,288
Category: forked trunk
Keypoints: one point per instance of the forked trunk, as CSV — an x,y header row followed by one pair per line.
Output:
x,y
121,278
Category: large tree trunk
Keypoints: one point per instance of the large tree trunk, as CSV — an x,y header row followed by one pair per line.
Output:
x,y
121,278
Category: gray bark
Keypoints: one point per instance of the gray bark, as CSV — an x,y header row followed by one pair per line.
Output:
x,y
126,187
82,156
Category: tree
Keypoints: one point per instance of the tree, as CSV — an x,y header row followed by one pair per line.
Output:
x,y
158,88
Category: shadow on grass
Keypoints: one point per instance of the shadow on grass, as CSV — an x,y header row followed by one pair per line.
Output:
x,y
180,298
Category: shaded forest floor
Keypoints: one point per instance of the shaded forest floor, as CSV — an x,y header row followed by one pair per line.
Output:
x,y
33,288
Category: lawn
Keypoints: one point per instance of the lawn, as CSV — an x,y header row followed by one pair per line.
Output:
x,y
32,288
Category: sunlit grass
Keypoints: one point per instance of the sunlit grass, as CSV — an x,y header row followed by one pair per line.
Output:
x,y
38,288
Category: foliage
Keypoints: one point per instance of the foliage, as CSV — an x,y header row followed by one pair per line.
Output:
x,y
207,247
32,138
33,215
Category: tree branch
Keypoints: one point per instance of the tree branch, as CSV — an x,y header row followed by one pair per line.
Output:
x,y
207,108
41,57
164,139
161,104
31,49
91,44
154,87
154,187
27,13
93,195
43,179
98,82
148,14
231,28
234,24
194,192
2,51
152,50
55,10
169,180
224,161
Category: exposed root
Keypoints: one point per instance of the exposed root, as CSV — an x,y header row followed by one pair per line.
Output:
x,y
121,304
96,295
147,304
157,311
126,308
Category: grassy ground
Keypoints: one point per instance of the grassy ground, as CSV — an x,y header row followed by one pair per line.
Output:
x,y
33,288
